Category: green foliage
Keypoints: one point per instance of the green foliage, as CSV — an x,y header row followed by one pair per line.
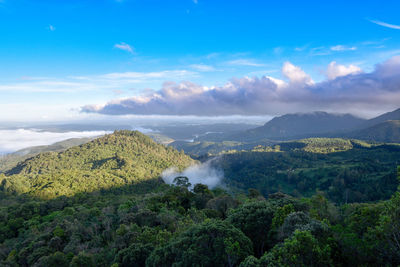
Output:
x,y
302,249
114,160
146,222
212,243
9,161
357,173
82,259
254,218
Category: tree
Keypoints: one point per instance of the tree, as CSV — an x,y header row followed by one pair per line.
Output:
x,y
182,181
135,255
254,219
302,249
202,195
212,243
82,259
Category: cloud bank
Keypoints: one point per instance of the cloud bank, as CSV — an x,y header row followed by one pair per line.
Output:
x,y
347,89
202,173
13,140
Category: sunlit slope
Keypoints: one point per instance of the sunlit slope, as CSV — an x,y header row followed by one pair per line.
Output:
x,y
122,158
11,160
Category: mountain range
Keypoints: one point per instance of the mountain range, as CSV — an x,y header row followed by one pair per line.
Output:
x,y
384,128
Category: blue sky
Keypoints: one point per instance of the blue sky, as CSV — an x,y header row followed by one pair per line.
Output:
x,y
59,56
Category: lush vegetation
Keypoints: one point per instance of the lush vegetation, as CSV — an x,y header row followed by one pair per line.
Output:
x,y
10,160
103,204
345,170
153,224
114,160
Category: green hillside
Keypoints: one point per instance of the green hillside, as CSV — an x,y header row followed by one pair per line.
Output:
x,y
9,161
114,160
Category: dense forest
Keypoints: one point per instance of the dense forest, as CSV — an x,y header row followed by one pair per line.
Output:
x,y
153,224
345,170
103,204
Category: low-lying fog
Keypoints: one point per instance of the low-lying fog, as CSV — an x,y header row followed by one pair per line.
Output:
x,y
15,139
201,173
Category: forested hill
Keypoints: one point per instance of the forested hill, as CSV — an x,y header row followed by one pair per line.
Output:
x,y
388,131
10,160
118,159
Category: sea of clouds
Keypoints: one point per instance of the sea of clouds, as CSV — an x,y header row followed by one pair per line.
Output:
x,y
16,139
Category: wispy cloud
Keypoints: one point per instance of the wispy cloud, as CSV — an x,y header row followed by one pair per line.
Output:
x,y
149,75
195,1
51,28
245,62
384,24
108,81
343,48
202,67
125,47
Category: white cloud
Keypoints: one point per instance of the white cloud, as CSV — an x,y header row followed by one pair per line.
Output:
x,y
125,47
387,25
355,92
343,48
202,67
13,140
51,28
336,70
149,75
296,74
245,62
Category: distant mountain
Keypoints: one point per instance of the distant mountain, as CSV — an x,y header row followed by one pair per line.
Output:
x,y
389,116
292,126
122,158
387,131
10,160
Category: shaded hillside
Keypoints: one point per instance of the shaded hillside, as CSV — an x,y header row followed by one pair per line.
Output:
x,y
9,161
114,160
388,131
389,116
